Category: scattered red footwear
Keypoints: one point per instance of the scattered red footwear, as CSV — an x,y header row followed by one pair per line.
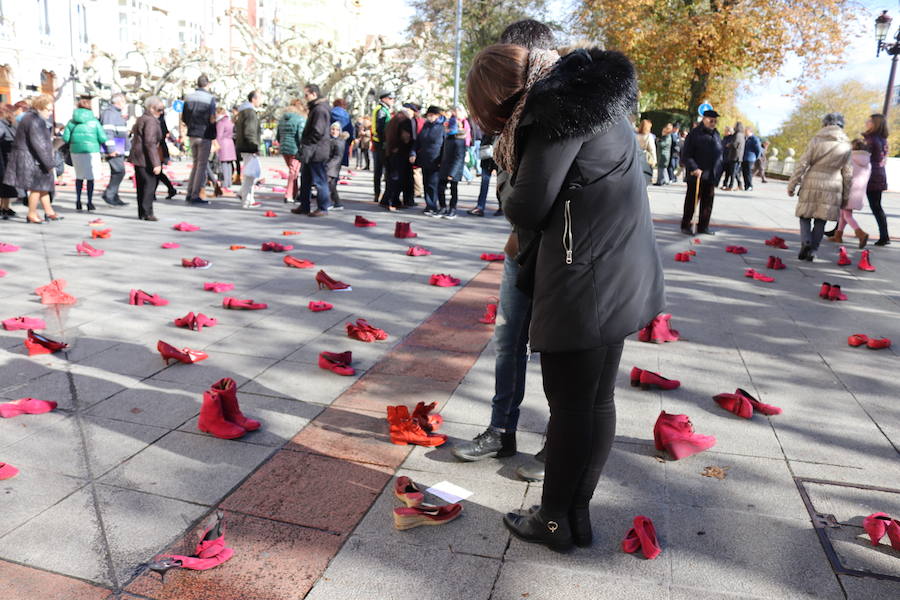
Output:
x,y
422,414
320,306
766,409
4,247
217,286
380,334
226,390
195,263
238,304
170,245
361,221
835,294
287,232
682,257
442,280
338,363
38,344
659,330
642,537
777,242
187,321
758,276
97,223
236,247
275,247
358,333
824,290
183,226
140,297
334,285
490,314
402,230
212,418
736,249
23,323
493,257
417,251
408,517
298,263
843,257
269,213
408,492
776,263
53,293
878,524
26,406
675,434
858,339
405,430
185,355
648,379
864,263
879,344
736,404
101,234
7,471
202,321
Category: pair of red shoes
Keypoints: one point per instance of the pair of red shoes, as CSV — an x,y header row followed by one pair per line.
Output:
x,y
878,524
417,251
334,285
861,339
648,379
415,513
443,280
85,248
338,363
26,406
683,257
865,263
140,297
185,355
777,242
220,414
659,330
195,263
275,247
364,332
831,292
238,304
218,286
361,221
20,323
184,226
402,230
298,263
675,435
490,314
320,306
490,257
417,428
101,234
775,263
754,274
195,322
743,404
53,293
210,552
736,249
38,344
642,536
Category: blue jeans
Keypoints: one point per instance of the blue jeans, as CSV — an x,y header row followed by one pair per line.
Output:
x,y
485,185
511,339
430,184
473,150
811,232
314,174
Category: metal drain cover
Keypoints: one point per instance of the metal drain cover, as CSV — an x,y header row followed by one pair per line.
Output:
x,y
837,511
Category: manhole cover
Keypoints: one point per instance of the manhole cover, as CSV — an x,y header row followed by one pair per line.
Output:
x,y
837,511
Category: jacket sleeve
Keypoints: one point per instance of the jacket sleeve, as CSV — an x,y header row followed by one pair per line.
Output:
x,y
847,176
67,132
150,136
687,154
380,125
251,131
43,151
800,169
529,194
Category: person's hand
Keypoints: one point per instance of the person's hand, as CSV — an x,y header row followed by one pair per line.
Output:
x,y
157,170
113,154
697,172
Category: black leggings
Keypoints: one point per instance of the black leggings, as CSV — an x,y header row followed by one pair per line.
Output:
x,y
442,193
878,211
580,387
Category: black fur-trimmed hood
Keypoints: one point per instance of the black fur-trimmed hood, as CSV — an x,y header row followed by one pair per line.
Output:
x,y
586,93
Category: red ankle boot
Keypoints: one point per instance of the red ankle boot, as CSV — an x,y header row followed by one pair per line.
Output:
x,y
825,290
778,264
675,434
361,221
403,230
226,389
843,257
408,431
662,330
423,416
835,294
864,264
212,418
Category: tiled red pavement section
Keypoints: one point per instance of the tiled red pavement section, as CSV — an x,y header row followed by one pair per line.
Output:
x,y
24,583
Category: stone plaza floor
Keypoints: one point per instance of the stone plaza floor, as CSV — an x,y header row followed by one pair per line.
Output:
x,y
119,473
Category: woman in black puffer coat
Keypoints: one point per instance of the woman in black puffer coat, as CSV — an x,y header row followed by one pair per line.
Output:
x,y
571,171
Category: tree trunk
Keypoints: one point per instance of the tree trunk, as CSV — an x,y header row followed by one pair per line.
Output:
x,y
699,90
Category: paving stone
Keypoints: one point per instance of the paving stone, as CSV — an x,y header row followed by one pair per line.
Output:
x,y
536,581
218,365
18,582
31,492
300,381
158,403
376,391
415,361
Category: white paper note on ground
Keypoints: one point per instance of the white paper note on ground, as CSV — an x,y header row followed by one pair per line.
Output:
x,y
449,491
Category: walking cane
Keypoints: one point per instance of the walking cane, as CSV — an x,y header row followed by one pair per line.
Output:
x,y
697,200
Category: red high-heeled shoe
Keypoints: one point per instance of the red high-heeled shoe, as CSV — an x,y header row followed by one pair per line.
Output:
x,y
361,221
320,306
275,247
864,262
835,294
212,541
226,389
188,321
336,363
408,492
38,344
218,286
636,376
876,526
843,257
649,379
490,314
26,406
675,435
201,321
212,418
642,537
7,471
491,257
403,230
766,409
736,404
380,334
140,297
185,355
417,251
879,344
298,263
334,285
238,304
858,339
101,234
23,323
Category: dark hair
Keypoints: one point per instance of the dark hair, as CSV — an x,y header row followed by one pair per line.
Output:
x,y
314,89
202,81
529,33
338,103
495,83
252,95
6,112
832,119
879,126
392,132
859,144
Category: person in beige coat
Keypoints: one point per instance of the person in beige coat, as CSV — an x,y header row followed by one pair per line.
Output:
x,y
823,174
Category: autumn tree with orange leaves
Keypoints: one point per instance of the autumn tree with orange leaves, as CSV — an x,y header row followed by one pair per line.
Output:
x,y
690,51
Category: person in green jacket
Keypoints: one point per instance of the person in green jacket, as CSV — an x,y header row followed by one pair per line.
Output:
x,y
290,127
85,137
663,155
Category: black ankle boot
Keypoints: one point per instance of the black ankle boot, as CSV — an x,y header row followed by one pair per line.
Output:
x,y
536,528
78,205
580,522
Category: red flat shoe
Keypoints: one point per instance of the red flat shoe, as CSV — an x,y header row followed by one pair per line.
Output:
x,y
169,245
201,321
357,333
843,257
361,221
298,263
334,285
275,247
402,230
858,339
879,344
864,263
101,234
238,304
490,314
188,321
320,306
183,226
417,251
766,409
636,376
26,406
649,379
38,344
493,257
195,263
735,403
336,363
408,492
675,434
442,280
218,286
185,355
23,323
226,390
758,276
835,294
380,334
4,247
7,471
408,517
423,416
825,290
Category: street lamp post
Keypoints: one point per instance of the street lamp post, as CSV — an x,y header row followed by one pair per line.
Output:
x,y
882,27
458,47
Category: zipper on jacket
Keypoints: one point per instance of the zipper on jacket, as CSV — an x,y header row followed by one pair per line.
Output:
x,y
567,233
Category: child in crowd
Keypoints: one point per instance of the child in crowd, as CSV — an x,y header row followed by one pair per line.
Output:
x,y
338,141
862,168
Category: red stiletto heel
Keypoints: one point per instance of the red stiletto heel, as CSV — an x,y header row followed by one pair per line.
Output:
x,y
185,355
766,409
201,321
188,321
39,344
334,285
736,404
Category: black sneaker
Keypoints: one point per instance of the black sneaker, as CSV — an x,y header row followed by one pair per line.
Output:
x,y
489,444
498,212
439,212
429,213
885,242
450,214
687,231
199,201
476,212
805,252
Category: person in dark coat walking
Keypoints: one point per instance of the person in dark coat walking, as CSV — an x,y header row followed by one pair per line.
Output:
x,y
674,160
398,144
315,147
380,117
734,155
752,151
427,155
7,137
116,129
876,136
247,139
31,163
146,136
702,159
571,171
453,163
338,142
166,158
